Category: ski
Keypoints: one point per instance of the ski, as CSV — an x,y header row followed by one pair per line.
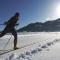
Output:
x,y
7,51
10,50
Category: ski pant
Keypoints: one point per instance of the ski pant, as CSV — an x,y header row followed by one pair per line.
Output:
x,y
14,33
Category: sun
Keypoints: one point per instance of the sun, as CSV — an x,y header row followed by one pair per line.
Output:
x,y
58,10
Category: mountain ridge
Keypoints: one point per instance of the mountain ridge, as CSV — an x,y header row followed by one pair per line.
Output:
x,y
53,25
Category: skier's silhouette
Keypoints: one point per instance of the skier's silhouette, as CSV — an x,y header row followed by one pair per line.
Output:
x,y
10,28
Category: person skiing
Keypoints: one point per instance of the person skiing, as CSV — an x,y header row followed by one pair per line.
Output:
x,y
10,28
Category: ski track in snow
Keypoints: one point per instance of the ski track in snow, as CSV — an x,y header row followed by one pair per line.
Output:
x,y
29,52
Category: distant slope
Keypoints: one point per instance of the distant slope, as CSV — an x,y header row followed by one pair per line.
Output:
x,y
39,27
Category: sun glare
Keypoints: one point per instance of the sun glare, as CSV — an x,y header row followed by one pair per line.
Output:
x,y
58,10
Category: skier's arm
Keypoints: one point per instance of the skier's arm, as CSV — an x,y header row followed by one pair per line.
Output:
x,y
5,23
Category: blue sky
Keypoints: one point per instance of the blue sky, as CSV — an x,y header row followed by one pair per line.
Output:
x,y
30,10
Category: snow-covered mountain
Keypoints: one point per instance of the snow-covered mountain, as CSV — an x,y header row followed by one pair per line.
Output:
x,y
53,25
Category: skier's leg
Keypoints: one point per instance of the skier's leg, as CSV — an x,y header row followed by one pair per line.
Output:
x,y
6,30
2,33
14,33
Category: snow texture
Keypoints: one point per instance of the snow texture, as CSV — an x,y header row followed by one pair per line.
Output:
x,y
37,46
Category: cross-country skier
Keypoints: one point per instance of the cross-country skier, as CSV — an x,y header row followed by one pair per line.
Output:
x,y
10,28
